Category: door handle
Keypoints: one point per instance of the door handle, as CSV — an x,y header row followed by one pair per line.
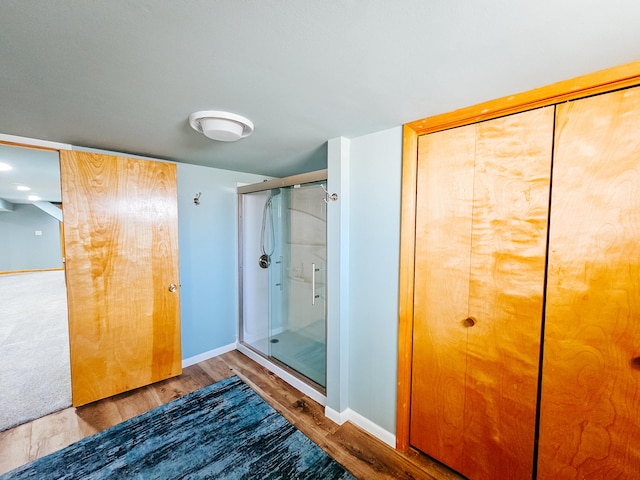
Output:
x,y
173,287
313,283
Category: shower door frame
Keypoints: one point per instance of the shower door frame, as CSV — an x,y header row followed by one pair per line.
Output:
x,y
301,179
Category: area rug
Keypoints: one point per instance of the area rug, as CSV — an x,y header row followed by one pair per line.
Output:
x,y
224,431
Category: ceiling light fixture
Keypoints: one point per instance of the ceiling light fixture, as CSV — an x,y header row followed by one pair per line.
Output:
x,y
221,126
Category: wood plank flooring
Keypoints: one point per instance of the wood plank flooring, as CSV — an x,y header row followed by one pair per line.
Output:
x,y
363,455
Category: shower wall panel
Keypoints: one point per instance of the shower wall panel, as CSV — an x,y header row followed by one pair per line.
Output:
x,y
255,280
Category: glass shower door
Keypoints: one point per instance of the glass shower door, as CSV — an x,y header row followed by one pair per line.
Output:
x,y
298,301
283,251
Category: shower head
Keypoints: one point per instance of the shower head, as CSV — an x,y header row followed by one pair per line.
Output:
x,y
275,191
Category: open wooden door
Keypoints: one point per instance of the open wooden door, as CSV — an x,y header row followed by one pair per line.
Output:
x,y
121,244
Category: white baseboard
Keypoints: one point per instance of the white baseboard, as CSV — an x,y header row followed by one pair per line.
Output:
x,y
362,422
335,416
284,375
187,362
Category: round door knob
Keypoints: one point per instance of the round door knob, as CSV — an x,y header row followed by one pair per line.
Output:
x,y
173,287
469,322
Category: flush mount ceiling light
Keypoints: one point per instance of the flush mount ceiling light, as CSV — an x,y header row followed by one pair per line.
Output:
x,y
221,126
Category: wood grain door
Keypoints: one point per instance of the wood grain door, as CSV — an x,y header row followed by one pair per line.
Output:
x,y
121,243
481,235
590,407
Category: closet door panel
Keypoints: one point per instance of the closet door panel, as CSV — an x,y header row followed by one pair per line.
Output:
x,y
509,239
443,245
481,230
590,422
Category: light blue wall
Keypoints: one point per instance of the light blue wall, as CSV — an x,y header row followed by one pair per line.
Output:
x,y
21,248
208,256
338,275
374,246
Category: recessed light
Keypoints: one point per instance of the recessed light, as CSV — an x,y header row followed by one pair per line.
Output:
x,y
5,167
23,188
33,198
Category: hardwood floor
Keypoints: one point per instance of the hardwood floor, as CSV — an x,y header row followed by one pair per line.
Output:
x,y
363,455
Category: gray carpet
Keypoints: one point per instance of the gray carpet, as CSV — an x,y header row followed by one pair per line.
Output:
x,y
35,377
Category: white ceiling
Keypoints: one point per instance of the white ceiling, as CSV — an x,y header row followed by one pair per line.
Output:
x,y
125,75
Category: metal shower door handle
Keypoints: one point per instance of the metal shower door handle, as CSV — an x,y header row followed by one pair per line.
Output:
x,y
313,283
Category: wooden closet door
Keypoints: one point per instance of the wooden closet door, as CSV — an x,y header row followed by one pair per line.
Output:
x,y
590,408
442,262
481,231
121,242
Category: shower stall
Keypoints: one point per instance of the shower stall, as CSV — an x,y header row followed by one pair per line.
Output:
x,y
283,252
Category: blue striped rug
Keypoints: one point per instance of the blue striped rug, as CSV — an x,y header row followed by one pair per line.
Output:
x,y
224,431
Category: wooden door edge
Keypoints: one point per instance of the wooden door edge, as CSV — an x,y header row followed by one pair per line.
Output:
x,y
405,303
603,81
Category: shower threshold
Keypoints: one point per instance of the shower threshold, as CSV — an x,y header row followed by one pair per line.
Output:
x,y
293,378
